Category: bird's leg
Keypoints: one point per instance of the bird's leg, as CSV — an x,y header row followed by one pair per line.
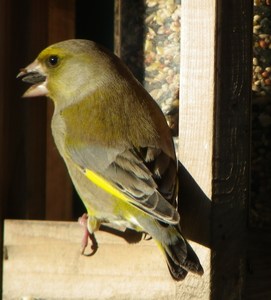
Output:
x,y
86,222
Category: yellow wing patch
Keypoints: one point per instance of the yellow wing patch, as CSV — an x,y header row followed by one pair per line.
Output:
x,y
105,185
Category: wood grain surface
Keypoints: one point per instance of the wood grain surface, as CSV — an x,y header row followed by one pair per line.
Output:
x,y
42,261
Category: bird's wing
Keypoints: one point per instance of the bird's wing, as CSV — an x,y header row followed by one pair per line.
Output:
x,y
144,177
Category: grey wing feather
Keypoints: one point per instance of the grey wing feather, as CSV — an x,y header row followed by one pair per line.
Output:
x,y
147,176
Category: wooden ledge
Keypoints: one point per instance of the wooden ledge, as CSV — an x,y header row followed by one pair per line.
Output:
x,y
42,261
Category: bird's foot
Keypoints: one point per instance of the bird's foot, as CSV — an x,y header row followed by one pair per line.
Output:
x,y
83,221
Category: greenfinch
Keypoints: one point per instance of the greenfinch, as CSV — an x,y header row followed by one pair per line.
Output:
x,y
116,144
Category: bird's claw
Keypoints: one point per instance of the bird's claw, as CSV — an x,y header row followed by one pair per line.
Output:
x,y
146,236
87,236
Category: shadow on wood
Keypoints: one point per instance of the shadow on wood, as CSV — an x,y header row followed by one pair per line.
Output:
x,y
129,235
194,208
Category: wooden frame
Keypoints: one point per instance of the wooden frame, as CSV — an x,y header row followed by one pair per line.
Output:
x,y
214,150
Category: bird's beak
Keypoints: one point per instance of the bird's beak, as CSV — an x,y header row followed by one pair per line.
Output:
x,y
34,74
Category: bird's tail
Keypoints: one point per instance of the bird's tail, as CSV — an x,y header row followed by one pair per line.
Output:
x,y
181,258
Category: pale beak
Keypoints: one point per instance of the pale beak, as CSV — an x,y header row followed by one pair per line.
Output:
x,y
34,74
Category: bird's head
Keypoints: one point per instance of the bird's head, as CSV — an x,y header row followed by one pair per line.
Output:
x,y
68,70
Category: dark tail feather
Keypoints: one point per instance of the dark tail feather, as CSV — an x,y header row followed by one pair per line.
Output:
x,y
182,259
192,262
177,272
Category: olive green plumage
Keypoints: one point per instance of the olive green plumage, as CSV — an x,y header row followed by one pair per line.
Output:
x,y
115,142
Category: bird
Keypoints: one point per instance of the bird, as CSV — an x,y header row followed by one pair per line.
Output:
x,y
116,144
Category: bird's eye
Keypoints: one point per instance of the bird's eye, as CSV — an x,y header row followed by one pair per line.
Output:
x,y
53,60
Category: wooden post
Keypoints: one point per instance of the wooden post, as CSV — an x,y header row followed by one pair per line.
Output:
x,y
197,90
231,162
215,131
